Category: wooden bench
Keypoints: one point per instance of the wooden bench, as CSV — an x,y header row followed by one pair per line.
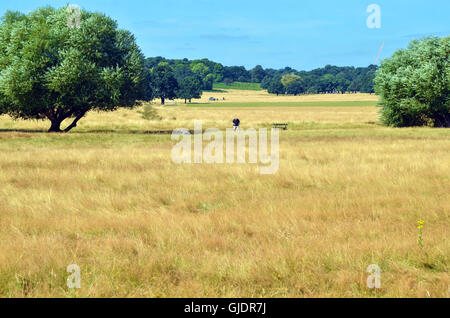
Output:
x,y
278,125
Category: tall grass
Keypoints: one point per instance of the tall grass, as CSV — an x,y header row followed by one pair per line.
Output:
x,y
348,194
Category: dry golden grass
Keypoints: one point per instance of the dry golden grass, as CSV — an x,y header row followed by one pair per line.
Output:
x,y
125,120
234,95
348,194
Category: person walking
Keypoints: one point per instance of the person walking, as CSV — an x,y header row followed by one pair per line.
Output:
x,y
236,123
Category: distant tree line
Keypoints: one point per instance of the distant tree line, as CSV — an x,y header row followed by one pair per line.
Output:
x,y
206,71
330,79
166,83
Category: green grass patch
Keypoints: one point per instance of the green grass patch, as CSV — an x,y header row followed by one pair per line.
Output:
x,y
215,91
238,85
288,104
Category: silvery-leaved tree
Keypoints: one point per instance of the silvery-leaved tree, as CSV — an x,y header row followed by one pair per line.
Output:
x,y
57,64
414,85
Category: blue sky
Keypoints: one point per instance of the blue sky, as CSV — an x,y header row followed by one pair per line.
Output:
x,y
303,34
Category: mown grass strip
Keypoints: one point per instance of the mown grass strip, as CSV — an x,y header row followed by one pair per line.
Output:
x,y
238,85
288,104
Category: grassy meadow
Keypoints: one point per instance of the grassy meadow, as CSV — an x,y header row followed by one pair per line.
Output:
x,y
238,85
107,197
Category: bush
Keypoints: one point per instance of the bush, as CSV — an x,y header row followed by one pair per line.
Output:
x,y
414,85
149,113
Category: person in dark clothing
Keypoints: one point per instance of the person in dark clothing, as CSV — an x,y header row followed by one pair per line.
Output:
x,y
236,123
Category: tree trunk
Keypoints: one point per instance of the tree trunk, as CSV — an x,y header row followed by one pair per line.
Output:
x,y
74,123
185,100
55,127
442,122
56,123
162,100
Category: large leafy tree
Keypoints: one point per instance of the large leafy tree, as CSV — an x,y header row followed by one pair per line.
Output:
x,y
289,78
189,87
295,87
276,87
257,74
52,69
163,82
181,70
218,72
414,85
208,82
266,81
200,69
237,73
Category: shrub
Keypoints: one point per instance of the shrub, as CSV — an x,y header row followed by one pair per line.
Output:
x,y
414,85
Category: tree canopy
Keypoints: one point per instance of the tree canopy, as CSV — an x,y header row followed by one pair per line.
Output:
x,y
50,69
189,87
275,87
289,78
295,87
257,74
163,82
414,85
